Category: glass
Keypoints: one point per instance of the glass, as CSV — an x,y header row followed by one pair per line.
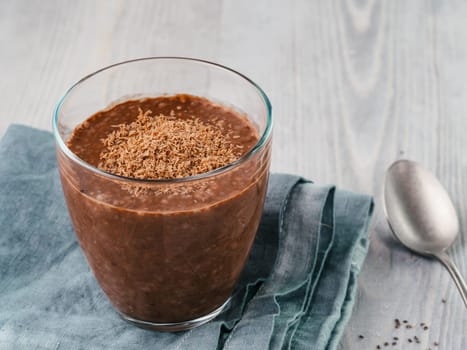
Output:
x,y
167,253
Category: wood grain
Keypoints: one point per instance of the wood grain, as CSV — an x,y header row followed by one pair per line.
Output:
x,y
355,85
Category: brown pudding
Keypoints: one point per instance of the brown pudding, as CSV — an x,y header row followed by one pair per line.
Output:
x,y
165,248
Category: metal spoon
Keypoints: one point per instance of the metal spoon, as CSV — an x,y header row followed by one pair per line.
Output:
x,y
421,214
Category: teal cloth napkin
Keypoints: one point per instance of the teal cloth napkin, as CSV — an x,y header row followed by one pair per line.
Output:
x,y
296,291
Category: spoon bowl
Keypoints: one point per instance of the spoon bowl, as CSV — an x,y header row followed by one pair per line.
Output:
x,y
419,209
421,214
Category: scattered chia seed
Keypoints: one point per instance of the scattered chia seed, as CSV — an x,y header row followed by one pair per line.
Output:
x,y
361,336
414,339
397,323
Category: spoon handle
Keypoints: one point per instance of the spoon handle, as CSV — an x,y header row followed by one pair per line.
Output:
x,y
455,274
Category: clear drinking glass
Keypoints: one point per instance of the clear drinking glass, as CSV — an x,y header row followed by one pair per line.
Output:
x,y
167,253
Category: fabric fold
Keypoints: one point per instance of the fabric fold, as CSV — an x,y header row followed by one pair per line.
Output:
x,y
297,289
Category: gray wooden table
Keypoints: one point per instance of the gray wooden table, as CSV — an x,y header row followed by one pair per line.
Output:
x,y
354,86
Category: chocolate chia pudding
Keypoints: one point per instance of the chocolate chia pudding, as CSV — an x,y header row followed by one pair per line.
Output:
x,y
168,221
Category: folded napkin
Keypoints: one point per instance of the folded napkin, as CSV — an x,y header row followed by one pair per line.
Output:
x,y
296,292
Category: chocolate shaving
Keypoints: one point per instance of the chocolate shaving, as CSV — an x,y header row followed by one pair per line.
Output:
x,y
165,147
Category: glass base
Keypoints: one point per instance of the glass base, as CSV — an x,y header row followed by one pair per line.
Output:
x,y
176,326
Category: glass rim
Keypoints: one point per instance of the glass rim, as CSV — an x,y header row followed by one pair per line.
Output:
x,y
262,141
